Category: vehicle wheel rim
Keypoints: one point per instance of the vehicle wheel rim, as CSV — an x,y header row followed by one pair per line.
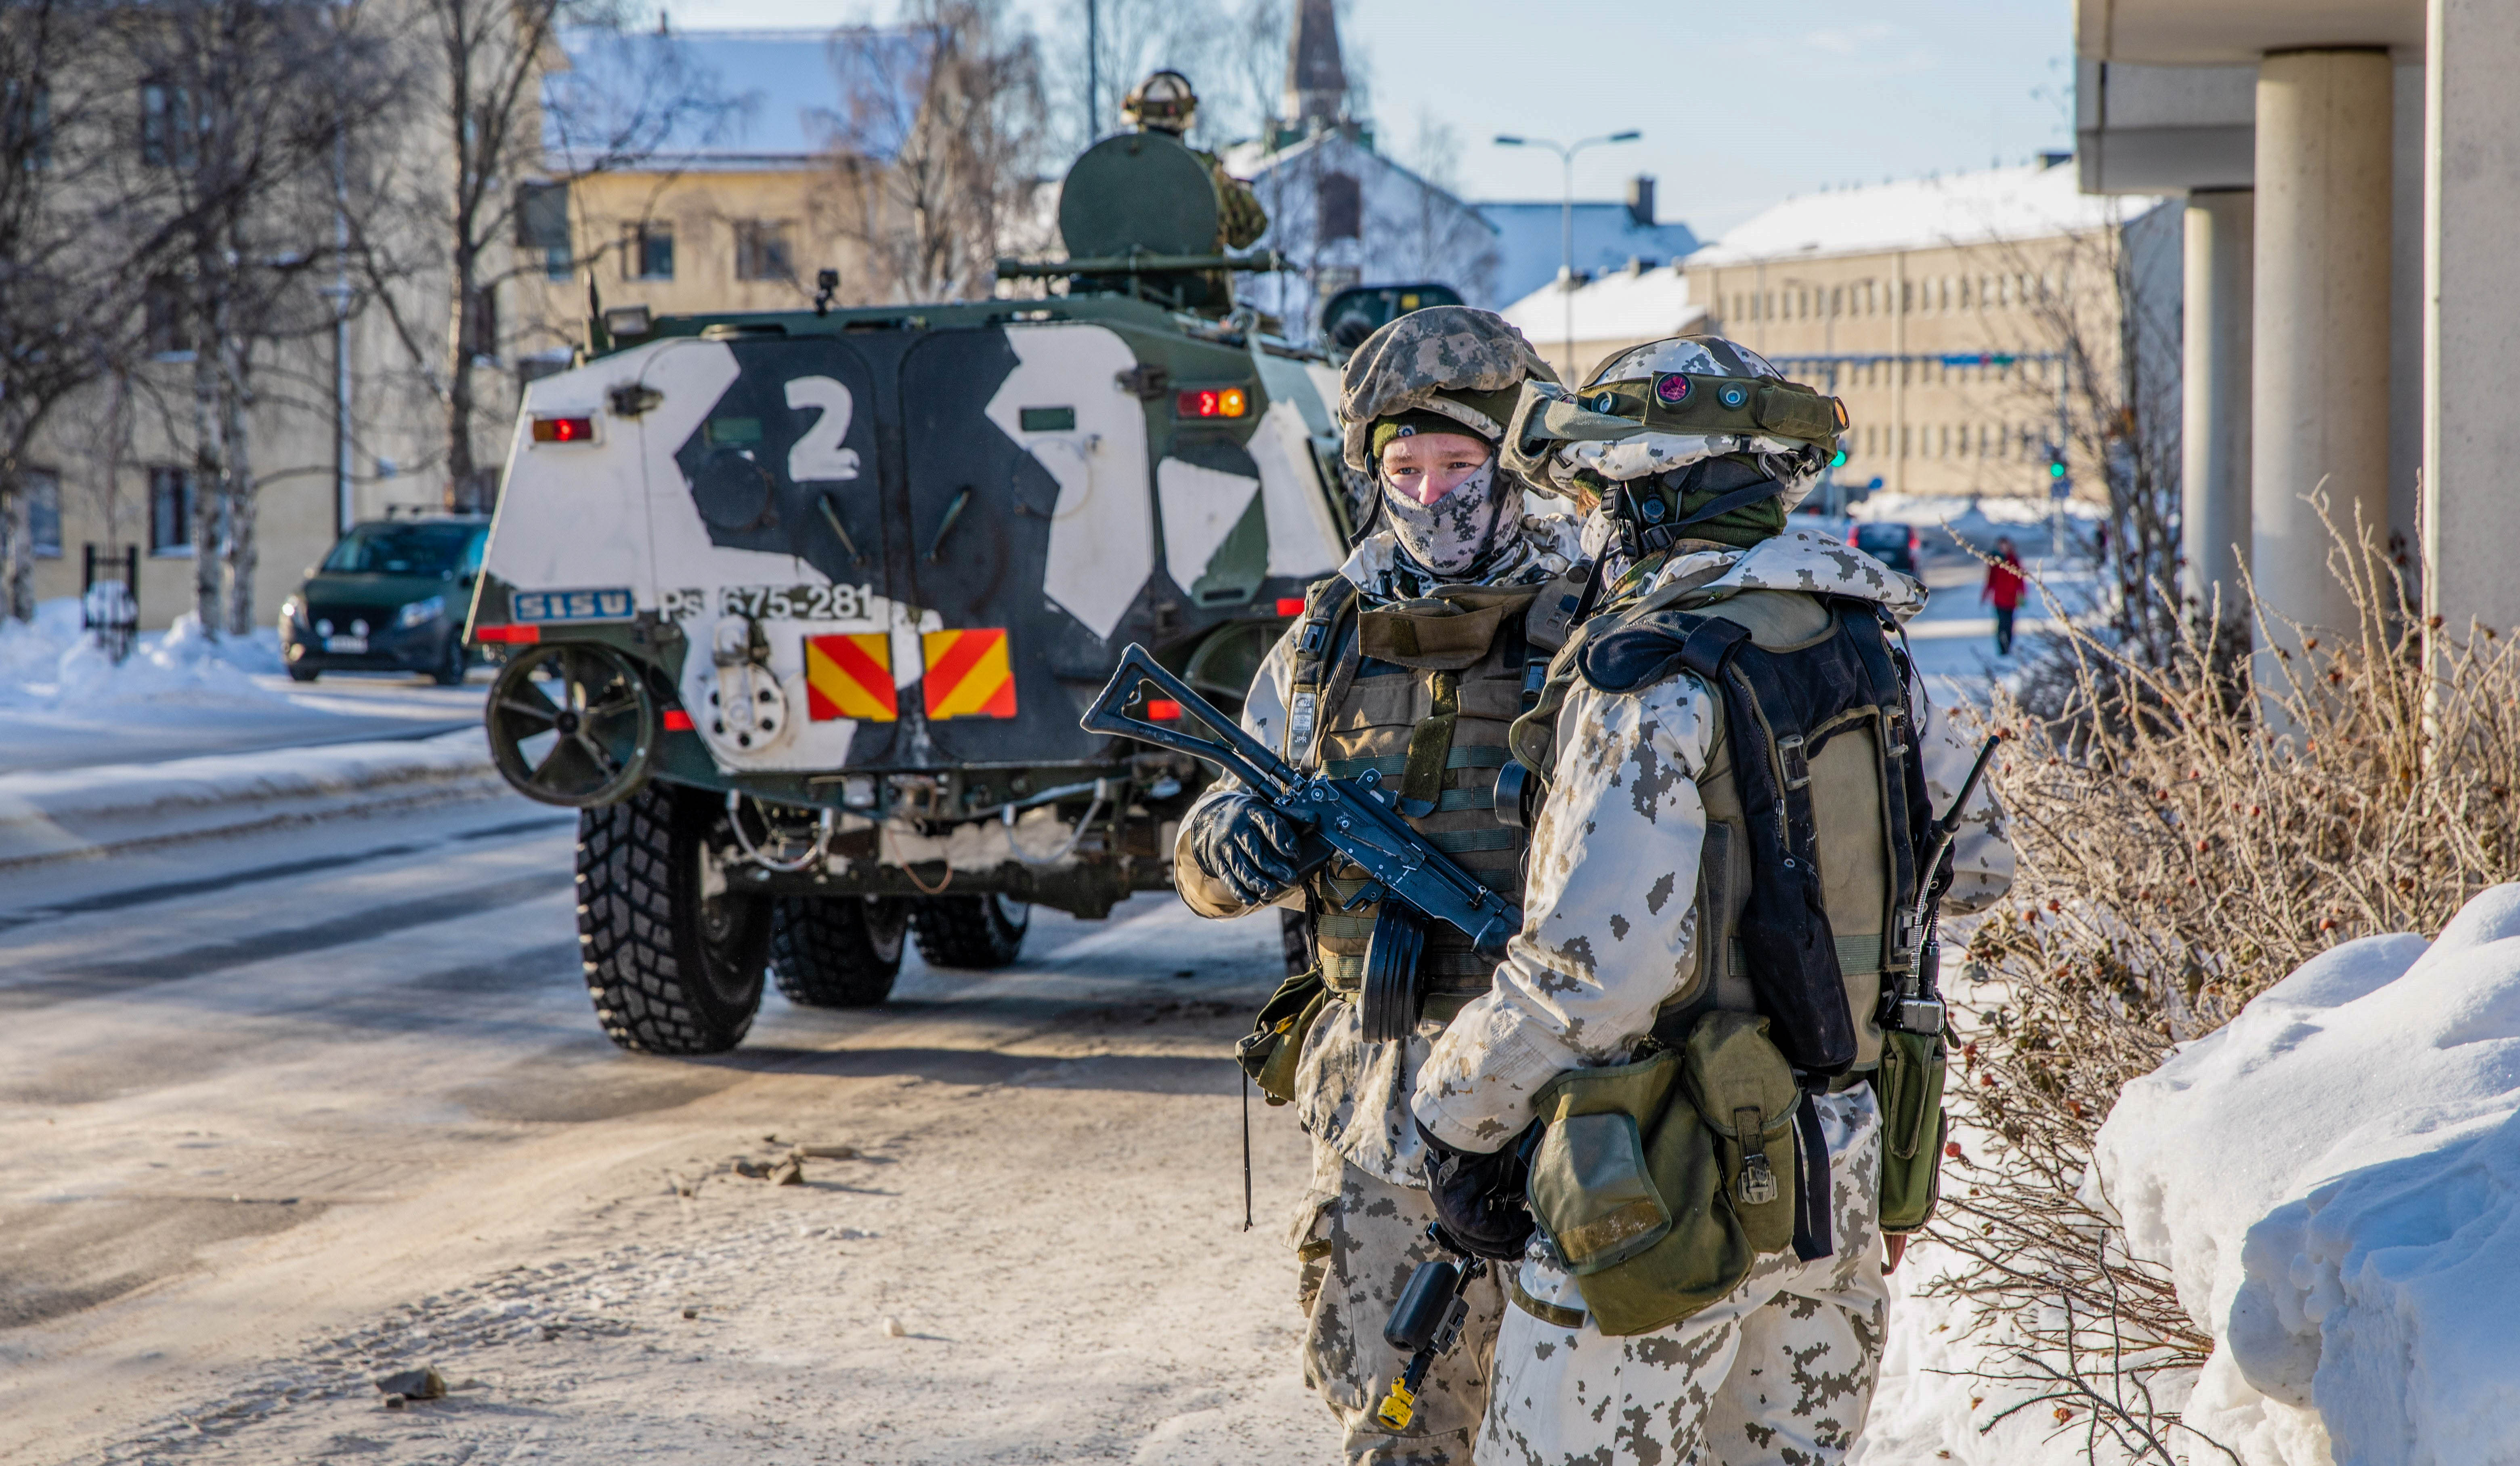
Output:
x,y
572,724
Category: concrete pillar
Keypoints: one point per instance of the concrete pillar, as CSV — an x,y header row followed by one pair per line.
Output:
x,y
2321,364
2214,466
2471,316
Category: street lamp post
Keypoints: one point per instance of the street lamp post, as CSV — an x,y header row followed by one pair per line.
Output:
x,y
1566,216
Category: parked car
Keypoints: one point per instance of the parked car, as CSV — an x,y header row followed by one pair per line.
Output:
x,y
391,596
1894,546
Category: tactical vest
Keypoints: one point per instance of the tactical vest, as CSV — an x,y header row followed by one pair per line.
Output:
x,y
1815,799
1424,692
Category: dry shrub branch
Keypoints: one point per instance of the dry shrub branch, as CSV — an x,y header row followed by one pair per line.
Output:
x,y
2186,840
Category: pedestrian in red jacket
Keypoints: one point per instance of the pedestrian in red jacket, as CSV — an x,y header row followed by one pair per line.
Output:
x,y
2003,588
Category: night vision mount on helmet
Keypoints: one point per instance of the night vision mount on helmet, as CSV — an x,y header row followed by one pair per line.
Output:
x,y
799,608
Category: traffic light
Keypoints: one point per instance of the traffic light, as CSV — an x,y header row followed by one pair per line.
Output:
x,y
2056,462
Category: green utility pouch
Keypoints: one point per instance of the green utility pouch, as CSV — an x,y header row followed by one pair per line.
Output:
x,y
1269,1052
1910,1087
1591,1185
1643,1196
1746,1091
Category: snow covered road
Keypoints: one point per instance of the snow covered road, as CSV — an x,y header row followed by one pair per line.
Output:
x,y
280,1114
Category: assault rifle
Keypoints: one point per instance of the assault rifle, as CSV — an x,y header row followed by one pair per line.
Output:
x,y
1917,1005
1352,818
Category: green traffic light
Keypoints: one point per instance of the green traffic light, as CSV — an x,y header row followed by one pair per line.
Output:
x,y
1839,461
2055,468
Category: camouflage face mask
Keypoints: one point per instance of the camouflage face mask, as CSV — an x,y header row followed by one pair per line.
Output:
x,y
1453,534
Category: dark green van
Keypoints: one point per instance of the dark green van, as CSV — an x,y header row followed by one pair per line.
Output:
x,y
390,597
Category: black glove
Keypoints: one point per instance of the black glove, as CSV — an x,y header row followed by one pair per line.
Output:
x,y
1478,1198
1240,840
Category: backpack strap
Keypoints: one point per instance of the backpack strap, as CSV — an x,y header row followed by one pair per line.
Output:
x,y
1328,604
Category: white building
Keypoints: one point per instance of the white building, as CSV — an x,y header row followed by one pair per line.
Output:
x,y
1344,213
1607,314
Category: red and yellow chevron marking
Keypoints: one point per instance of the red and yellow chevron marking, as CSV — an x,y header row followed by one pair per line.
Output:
x,y
850,677
968,674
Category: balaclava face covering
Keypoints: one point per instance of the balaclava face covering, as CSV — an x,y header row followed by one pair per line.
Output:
x,y
1467,527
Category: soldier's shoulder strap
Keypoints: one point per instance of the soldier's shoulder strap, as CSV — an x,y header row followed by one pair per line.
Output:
x,y
1534,737
1327,602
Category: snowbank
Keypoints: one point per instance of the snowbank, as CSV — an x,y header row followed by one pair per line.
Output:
x,y
2333,1179
1965,510
86,811
49,663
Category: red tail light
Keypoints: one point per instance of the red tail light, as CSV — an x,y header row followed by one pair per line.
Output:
x,y
677,720
1290,604
1211,402
564,430
1163,709
520,635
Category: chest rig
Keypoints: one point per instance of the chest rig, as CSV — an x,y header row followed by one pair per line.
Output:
x,y
1424,693
1815,799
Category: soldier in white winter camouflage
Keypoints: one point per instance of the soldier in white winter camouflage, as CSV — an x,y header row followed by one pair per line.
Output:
x,y
1411,660
1699,878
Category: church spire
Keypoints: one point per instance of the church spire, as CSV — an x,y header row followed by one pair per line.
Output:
x,y
1316,79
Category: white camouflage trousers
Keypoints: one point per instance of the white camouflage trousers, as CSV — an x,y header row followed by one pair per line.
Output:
x,y
1779,1373
1359,1238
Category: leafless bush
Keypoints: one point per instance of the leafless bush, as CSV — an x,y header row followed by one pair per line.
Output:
x,y
2186,840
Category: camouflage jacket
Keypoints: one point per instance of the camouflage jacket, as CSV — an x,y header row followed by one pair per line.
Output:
x,y
1240,218
1602,945
1351,1095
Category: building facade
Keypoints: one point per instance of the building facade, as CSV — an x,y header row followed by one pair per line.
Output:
x,y
1973,324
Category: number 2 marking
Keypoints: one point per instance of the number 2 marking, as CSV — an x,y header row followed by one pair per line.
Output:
x,y
818,455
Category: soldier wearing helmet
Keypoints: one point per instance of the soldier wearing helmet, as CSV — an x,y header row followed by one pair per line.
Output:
x,y
1740,765
1413,659
1165,103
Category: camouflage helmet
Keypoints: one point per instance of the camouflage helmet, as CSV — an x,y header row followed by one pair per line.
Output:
x,y
1453,361
1163,103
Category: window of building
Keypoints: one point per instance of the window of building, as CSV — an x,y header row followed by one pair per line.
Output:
x,y
1342,202
168,132
761,250
542,226
170,511
166,316
648,252
482,323
43,512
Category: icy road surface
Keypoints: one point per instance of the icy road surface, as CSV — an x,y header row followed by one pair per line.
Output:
x,y
282,1114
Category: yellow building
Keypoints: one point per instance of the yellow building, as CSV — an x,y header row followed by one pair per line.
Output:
x,y
1969,322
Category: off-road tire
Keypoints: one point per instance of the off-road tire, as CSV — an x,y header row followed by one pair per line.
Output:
x,y
839,952
671,971
298,673
969,930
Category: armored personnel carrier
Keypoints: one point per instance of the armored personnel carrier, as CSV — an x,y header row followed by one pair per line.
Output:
x,y
800,610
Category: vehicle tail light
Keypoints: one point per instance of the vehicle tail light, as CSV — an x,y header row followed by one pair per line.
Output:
x,y
517,635
1163,710
564,430
1211,402
677,720
1290,604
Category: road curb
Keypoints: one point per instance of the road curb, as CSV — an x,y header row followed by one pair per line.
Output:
x,y
69,814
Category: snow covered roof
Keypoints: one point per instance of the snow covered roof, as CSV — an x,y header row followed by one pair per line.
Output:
x,y
1999,204
1606,237
724,98
1622,306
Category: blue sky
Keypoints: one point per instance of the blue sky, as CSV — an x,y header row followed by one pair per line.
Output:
x,y
1742,104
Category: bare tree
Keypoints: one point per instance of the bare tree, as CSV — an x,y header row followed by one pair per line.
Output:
x,y
227,168
67,283
2104,306
937,144
512,127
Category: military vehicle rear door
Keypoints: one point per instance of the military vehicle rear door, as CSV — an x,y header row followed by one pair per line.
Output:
x,y
1031,529
768,510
